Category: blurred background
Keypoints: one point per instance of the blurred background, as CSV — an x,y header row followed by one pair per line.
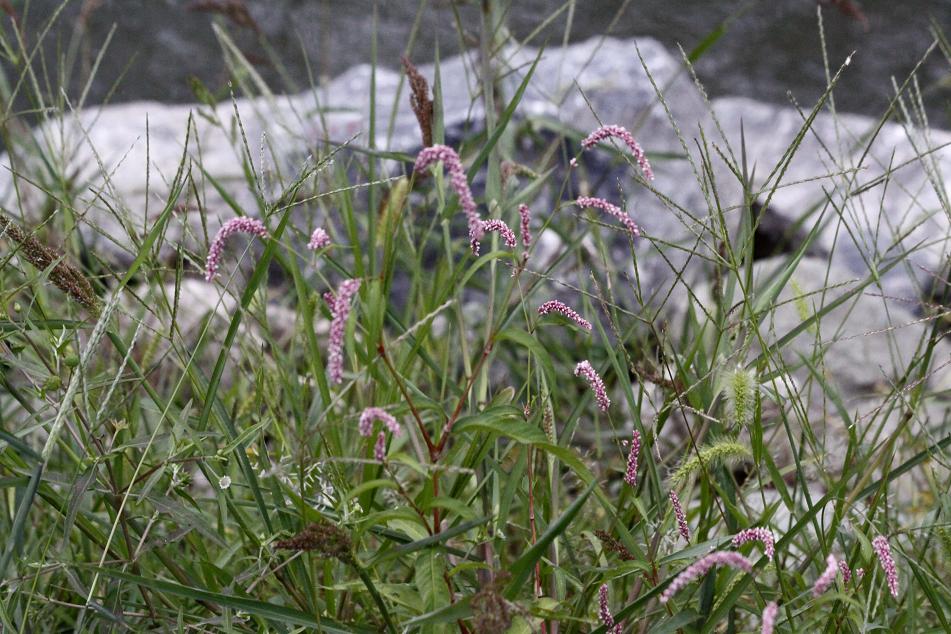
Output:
x,y
769,50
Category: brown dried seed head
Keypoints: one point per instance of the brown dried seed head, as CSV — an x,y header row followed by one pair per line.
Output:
x,y
64,275
419,100
325,538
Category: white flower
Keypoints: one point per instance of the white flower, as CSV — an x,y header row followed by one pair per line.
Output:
x,y
224,482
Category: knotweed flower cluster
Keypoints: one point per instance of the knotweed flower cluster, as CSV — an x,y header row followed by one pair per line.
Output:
x,y
340,311
371,414
884,553
508,237
251,226
609,208
318,239
554,306
525,216
365,427
604,612
769,617
630,476
457,180
621,133
756,534
597,385
679,514
702,566
826,578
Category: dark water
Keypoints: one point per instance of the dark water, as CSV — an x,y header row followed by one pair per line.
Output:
x,y
770,48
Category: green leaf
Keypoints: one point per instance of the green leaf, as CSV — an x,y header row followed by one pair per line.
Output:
x,y
270,611
503,420
522,567
429,580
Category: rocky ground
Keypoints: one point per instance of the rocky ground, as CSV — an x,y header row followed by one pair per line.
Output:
x,y
875,189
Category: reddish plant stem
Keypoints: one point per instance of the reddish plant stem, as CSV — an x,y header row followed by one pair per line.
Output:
x,y
531,522
433,451
444,438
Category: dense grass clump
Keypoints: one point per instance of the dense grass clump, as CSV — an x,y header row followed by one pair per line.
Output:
x,y
466,386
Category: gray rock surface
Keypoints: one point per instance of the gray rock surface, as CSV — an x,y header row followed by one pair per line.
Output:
x,y
837,172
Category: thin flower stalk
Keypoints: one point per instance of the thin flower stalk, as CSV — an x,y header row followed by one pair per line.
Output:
x,y
318,239
826,578
769,617
702,566
621,133
679,514
630,476
457,180
585,369
611,209
340,311
884,553
554,306
251,226
757,534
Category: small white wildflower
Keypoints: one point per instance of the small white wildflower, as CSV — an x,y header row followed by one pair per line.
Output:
x,y
224,482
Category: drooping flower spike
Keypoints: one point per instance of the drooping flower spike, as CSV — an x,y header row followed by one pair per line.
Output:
x,y
318,239
630,476
457,180
679,514
251,226
621,132
702,566
379,449
554,306
525,216
340,311
769,617
757,534
604,612
597,385
884,553
609,208
827,577
845,570
508,236
371,414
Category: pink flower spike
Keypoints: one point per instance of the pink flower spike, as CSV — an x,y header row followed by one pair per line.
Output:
x,y
525,214
608,208
845,570
884,552
457,180
318,239
631,475
756,534
371,414
251,226
554,306
769,617
702,566
340,311
679,513
508,237
573,162
604,612
620,132
590,374
379,449
826,578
